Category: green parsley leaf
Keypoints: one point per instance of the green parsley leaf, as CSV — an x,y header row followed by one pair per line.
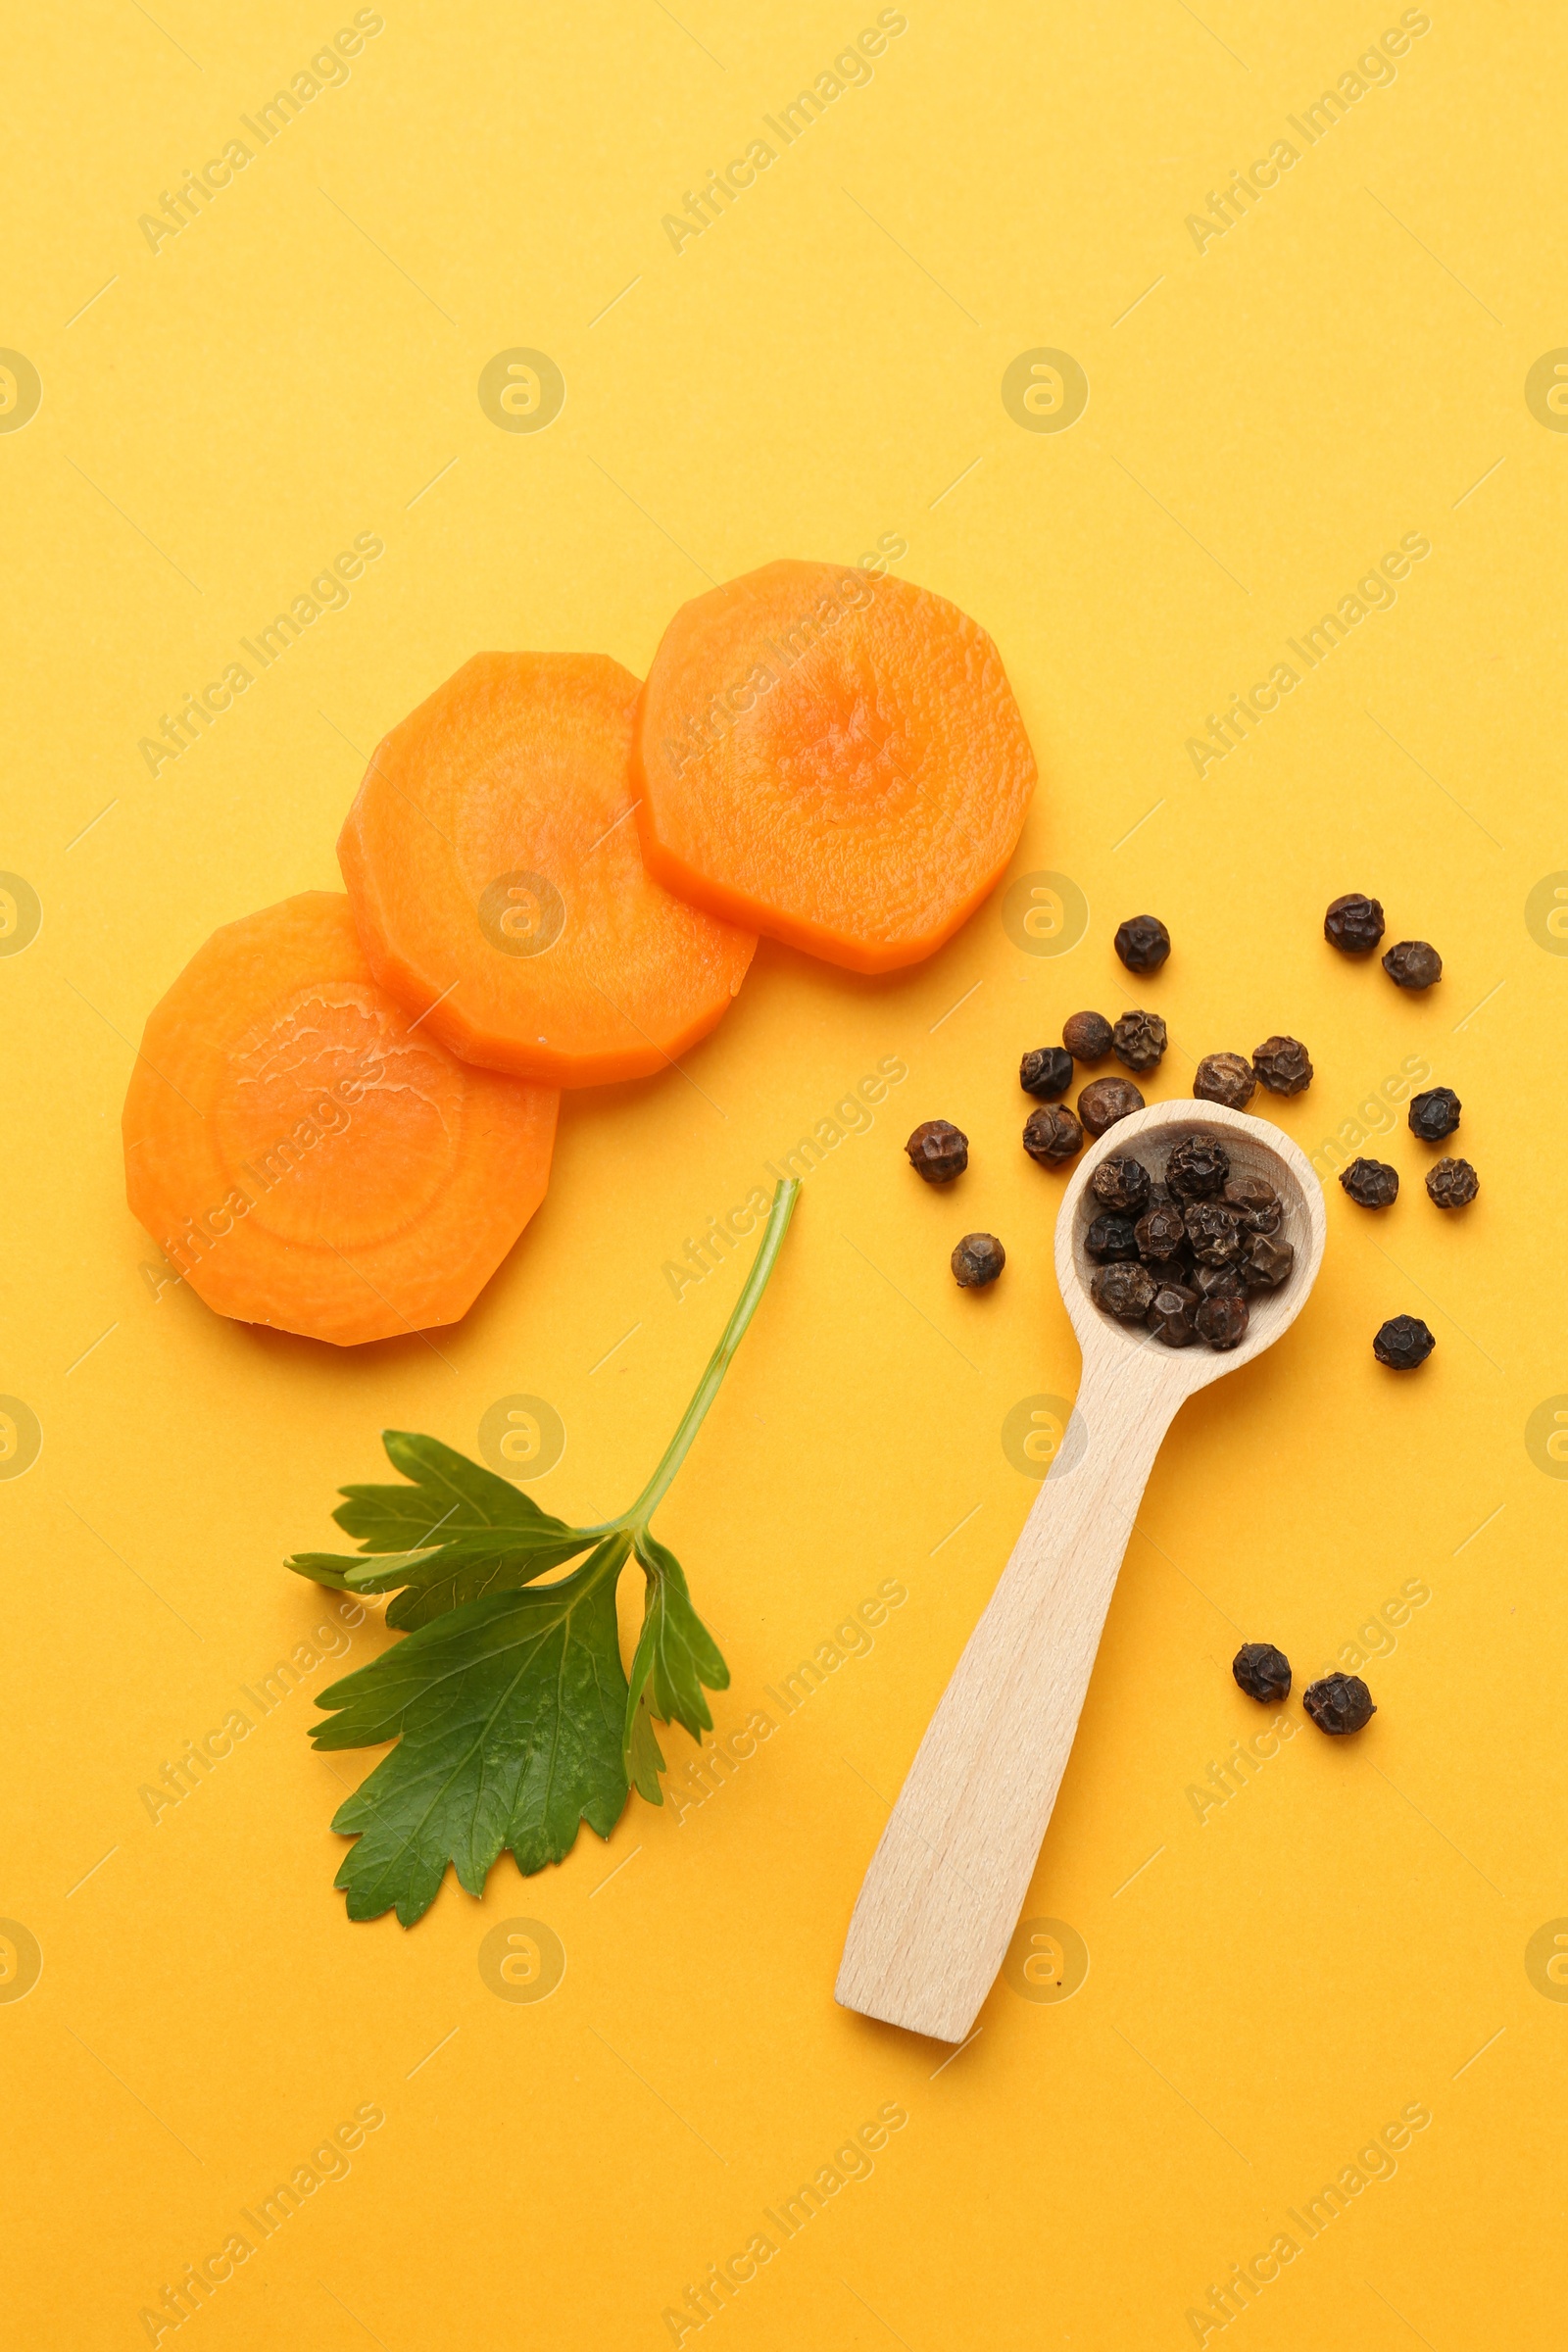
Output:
x,y
512,1712
470,1534
449,1496
447,1577
675,1656
508,1715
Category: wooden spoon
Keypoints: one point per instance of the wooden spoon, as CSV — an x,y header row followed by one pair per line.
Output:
x,y
947,1880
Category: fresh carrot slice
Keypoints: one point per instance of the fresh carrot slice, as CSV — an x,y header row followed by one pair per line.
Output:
x,y
305,1157
832,759
494,867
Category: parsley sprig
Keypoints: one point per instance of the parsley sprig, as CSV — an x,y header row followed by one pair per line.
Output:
x,y
513,1713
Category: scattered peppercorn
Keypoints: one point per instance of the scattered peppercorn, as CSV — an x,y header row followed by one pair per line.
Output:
x,y
1045,1072
1162,1234
1339,1703
1051,1135
1143,944
1110,1237
1403,1343
1124,1289
1227,1078
1413,965
1266,1263
1171,1316
1140,1040
1214,1233
1255,1203
978,1260
1452,1184
1121,1183
1354,924
1371,1183
1105,1101
1262,1671
938,1151
1221,1322
1087,1036
1198,1167
1282,1064
1434,1114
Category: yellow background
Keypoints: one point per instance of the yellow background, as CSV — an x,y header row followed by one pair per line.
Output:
x,y
1342,366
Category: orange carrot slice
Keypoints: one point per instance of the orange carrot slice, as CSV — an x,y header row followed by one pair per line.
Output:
x,y
831,758
305,1157
493,862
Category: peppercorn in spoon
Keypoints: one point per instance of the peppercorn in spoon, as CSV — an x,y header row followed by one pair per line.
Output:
x,y
947,1882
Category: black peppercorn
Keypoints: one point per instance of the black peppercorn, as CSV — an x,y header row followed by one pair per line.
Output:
x,y
1255,1203
1262,1671
1403,1343
1162,1234
1354,924
1140,1040
1217,1281
1214,1232
1121,1183
1143,944
1221,1322
1087,1036
1051,1135
1266,1263
1125,1289
1434,1114
1371,1183
1171,1316
1339,1703
1045,1072
1110,1237
1227,1078
1413,965
1282,1064
1198,1167
938,1151
978,1260
1105,1101
1452,1184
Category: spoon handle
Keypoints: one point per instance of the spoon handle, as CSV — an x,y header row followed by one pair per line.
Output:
x,y
946,1885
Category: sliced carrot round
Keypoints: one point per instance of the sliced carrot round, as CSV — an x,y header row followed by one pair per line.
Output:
x,y
832,759
497,879
308,1159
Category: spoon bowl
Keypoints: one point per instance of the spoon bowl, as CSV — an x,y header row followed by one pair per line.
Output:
x,y
1257,1149
947,1880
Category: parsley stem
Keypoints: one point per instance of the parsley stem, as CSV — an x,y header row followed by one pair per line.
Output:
x,y
707,1388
